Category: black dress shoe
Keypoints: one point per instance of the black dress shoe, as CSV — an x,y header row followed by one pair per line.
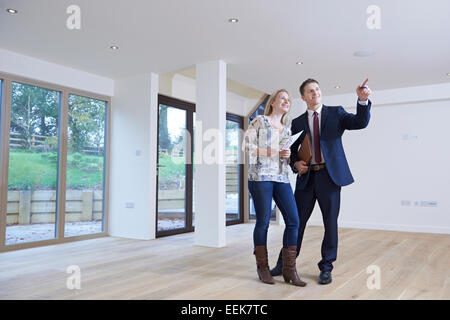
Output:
x,y
325,277
277,271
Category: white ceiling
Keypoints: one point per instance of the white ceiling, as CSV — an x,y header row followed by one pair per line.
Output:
x,y
412,47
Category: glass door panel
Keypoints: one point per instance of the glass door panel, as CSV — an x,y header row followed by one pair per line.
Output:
x,y
172,169
232,170
85,166
33,164
194,116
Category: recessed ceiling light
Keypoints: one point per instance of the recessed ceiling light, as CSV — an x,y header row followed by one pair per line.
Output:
x,y
299,63
114,48
13,11
363,53
448,74
337,87
233,20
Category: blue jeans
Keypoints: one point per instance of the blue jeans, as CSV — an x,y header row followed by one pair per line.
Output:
x,y
262,193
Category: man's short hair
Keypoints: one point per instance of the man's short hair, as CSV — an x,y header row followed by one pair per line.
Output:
x,y
305,83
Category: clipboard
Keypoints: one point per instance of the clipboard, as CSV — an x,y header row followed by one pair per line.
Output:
x,y
291,141
304,153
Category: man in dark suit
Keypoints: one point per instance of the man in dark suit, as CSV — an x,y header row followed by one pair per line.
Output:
x,y
328,169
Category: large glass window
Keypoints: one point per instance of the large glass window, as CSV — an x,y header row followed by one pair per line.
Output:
x,y
33,164
53,160
85,174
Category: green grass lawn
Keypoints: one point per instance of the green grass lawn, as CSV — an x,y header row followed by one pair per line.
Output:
x,y
171,166
38,170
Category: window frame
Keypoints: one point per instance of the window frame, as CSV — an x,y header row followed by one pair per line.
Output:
x,y
189,107
7,80
240,120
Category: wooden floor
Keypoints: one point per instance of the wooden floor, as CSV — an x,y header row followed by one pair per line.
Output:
x,y
412,266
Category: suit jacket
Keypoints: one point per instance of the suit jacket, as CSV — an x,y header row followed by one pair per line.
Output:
x,y
334,121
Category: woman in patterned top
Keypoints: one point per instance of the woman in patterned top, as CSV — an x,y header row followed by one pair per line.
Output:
x,y
268,178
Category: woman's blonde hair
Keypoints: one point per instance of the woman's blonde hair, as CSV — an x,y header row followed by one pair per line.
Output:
x,y
272,98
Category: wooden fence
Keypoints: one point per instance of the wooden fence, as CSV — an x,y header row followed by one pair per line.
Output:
x,y
28,207
175,198
38,142
15,140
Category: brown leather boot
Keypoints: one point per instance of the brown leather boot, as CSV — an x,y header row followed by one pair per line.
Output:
x,y
289,269
262,265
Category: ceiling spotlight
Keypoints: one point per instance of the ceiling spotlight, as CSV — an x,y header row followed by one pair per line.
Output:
x,y
337,87
448,74
363,53
12,11
299,63
114,48
233,20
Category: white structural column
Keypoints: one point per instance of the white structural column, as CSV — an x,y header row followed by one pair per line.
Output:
x,y
209,176
132,206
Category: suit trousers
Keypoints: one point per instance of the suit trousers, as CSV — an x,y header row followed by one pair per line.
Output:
x,y
320,187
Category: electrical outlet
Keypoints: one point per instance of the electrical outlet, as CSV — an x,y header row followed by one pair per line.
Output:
x,y
129,205
415,203
406,137
428,203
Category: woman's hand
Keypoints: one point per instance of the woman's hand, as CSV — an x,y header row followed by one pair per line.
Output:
x,y
285,154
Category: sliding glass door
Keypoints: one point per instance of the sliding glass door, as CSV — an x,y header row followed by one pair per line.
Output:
x,y
33,164
53,163
174,167
85,176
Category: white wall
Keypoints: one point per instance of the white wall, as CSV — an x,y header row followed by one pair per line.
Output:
x,y
401,157
184,88
25,66
133,157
